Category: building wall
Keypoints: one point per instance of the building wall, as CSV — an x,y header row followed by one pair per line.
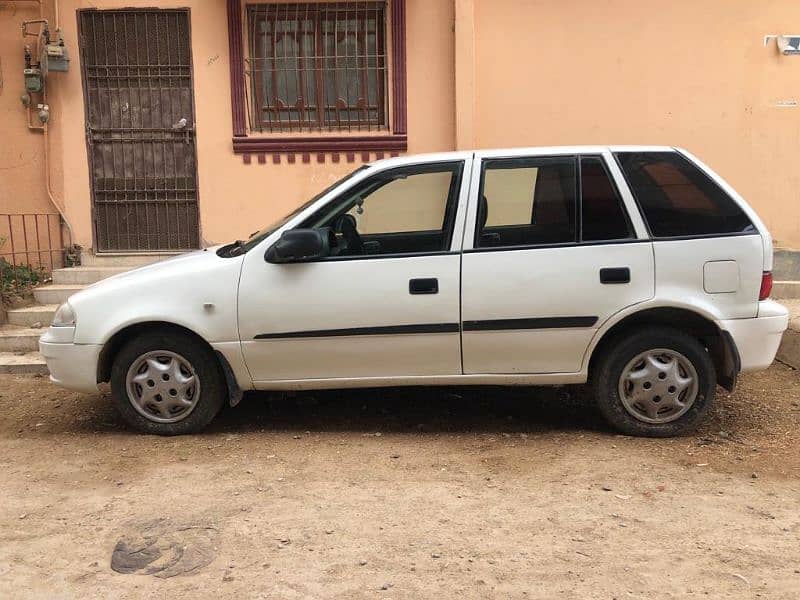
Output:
x,y
691,74
22,171
236,198
527,72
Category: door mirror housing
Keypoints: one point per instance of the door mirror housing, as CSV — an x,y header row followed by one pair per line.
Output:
x,y
300,245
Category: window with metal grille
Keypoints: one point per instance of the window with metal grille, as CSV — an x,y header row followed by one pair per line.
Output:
x,y
317,66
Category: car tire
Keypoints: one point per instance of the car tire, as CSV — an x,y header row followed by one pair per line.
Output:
x,y
166,383
655,383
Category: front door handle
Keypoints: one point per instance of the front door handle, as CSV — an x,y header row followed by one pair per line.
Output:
x,y
428,285
615,275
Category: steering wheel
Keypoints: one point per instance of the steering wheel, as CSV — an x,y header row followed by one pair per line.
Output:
x,y
349,241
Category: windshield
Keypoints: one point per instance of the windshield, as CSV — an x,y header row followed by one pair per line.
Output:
x,y
255,238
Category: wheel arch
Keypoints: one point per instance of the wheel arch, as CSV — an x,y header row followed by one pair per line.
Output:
x,y
115,343
719,343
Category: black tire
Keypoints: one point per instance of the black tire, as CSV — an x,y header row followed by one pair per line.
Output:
x,y
608,370
213,389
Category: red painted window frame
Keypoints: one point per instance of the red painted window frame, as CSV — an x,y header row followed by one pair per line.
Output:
x,y
395,142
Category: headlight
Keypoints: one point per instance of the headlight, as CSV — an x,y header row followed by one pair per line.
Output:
x,y
64,317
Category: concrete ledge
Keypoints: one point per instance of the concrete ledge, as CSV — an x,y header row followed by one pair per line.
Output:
x,y
31,363
789,351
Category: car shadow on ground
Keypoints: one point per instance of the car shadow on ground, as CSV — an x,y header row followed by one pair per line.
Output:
x,y
415,409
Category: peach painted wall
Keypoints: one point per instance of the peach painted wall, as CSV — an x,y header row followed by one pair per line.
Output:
x,y
235,198
21,152
527,72
683,73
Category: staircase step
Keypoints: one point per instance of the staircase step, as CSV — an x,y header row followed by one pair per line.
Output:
x,y
19,339
786,289
56,293
122,260
85,275
21,363
30,315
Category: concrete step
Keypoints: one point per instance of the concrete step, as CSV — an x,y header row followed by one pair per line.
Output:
x,y
786,264
19,339
85,275
21,363
785,289
31,315
122,260
56,293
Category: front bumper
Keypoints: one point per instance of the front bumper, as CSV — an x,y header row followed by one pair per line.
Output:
x,y
757,339
73,366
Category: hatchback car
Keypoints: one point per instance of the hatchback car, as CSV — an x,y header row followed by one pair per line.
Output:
x,y
635,269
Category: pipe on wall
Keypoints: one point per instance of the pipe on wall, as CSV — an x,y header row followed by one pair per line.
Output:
x,y
44,128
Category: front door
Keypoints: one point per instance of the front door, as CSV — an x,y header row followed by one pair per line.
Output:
x,y
385,305
550,254
137,80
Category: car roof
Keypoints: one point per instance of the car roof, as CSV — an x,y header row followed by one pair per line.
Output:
x,y
513,152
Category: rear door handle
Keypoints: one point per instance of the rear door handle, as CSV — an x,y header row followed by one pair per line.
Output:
x,y
429,285
615,275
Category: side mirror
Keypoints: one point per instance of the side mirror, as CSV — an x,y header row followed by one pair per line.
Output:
x,y
299,245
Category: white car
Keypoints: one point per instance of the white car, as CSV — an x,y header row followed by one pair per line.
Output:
x,y
636,269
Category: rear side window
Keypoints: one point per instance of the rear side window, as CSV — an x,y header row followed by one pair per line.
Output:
x,y
679,199
526,201
603,216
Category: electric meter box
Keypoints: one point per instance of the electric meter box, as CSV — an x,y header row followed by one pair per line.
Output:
x,y
56,58
34,82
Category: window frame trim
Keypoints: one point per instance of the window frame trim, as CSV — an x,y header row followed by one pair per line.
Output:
x,y
245,142
605,157
575,158
454,200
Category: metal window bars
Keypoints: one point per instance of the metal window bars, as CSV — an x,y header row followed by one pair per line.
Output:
x,y
316,67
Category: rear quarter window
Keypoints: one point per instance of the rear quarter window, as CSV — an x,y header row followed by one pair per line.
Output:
x,y
678,199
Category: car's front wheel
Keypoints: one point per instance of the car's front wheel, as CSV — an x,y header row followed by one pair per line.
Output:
x,y
659,383
166,383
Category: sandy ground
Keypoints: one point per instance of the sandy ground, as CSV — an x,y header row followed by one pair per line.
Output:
x,y
435,493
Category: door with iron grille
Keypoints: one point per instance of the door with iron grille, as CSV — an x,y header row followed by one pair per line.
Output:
x,y
138,89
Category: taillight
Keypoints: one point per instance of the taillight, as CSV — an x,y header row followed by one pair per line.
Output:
x,y
766,285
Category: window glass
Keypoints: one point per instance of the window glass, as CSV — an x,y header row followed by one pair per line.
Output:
x,y
603,216
526,201
408,209
413,203
678,198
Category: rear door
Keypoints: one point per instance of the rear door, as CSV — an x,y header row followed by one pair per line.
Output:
x,y
552,250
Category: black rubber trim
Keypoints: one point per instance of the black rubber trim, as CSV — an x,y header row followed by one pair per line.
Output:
x,y
387,255
535,323
382,330
557,245
732,363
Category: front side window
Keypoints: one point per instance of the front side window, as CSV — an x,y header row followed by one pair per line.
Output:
x,y
398,211
317,66
678,198
528,201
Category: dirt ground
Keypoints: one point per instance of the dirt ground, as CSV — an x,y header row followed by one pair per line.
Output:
x,y
434,493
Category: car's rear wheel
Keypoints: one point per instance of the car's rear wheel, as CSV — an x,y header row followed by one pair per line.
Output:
x,y
167,383
659,383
